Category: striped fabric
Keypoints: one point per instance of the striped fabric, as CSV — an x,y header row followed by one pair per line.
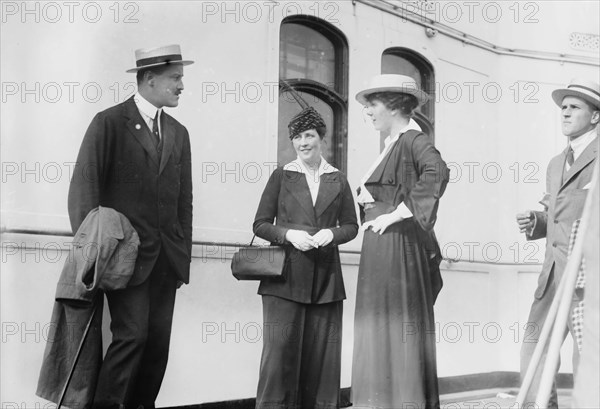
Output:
x,y
577,316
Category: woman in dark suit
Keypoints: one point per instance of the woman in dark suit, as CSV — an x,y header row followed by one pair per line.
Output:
x,y
307,207
394,364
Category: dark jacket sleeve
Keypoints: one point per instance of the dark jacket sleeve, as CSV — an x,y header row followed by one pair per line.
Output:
x,y
185,204
89,172
266,213
433,175
347,224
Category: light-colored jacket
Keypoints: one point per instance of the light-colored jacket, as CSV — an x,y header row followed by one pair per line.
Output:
x,y
102,257
563,205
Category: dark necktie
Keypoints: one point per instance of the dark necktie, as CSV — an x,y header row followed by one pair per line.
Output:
x,y
570,160
570,157
155,134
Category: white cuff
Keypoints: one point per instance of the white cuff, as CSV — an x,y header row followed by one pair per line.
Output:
x,y
403,211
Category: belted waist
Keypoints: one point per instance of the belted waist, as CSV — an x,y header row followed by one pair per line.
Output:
x,y
376,209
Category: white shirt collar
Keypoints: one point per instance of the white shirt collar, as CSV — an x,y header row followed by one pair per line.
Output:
x,y
298,166
579,144
412,125
145,107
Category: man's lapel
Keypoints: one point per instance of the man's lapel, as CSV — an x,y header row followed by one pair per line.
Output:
x,y
138,128
586,157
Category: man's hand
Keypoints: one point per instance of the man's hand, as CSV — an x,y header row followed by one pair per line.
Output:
x,y
300,239
525,221
323,237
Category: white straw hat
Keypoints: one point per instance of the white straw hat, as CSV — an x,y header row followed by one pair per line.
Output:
x,y
392,83
151,57
587,90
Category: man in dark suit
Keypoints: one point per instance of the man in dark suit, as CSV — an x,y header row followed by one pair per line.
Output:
x,y
136,159
568,179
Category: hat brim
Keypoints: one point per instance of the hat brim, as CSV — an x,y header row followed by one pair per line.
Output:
x,y
421,96
180,62
559,94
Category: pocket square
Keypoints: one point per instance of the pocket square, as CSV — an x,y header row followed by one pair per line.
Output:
x,y
588,186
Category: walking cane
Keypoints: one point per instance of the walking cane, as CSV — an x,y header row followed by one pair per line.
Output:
x,y
541,344
85,333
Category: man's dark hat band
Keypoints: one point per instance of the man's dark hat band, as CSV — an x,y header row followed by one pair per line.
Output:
x,y
159,59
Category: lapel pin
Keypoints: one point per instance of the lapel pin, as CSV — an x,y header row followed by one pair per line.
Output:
x,y
138,126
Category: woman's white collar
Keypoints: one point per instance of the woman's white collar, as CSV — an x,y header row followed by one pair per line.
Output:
x,y
298,166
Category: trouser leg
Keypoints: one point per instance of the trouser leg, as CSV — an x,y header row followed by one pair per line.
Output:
x,y
129,326
153,364
283,327
301,360
321,356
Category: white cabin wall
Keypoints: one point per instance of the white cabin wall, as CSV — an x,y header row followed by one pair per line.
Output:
x,y
233,139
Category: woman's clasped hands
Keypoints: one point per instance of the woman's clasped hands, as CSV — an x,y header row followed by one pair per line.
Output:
x,y
304,241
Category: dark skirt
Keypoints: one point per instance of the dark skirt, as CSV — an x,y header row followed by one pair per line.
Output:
x,y
394,363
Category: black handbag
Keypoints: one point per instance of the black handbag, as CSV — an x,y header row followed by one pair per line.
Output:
x,y
258,262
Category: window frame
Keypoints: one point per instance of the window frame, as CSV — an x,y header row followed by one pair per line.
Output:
x,y
425,119
337,96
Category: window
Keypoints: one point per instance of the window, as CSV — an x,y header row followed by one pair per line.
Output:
x,y
407,62
313,59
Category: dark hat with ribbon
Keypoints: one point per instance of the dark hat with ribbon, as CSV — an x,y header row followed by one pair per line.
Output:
x,y
151,57
307,119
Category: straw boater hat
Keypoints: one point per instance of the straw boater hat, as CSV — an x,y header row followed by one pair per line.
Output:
x,y
589,91
151,57
393,83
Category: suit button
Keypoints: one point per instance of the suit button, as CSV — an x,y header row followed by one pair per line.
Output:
x,y
554,244
555,221
390,181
